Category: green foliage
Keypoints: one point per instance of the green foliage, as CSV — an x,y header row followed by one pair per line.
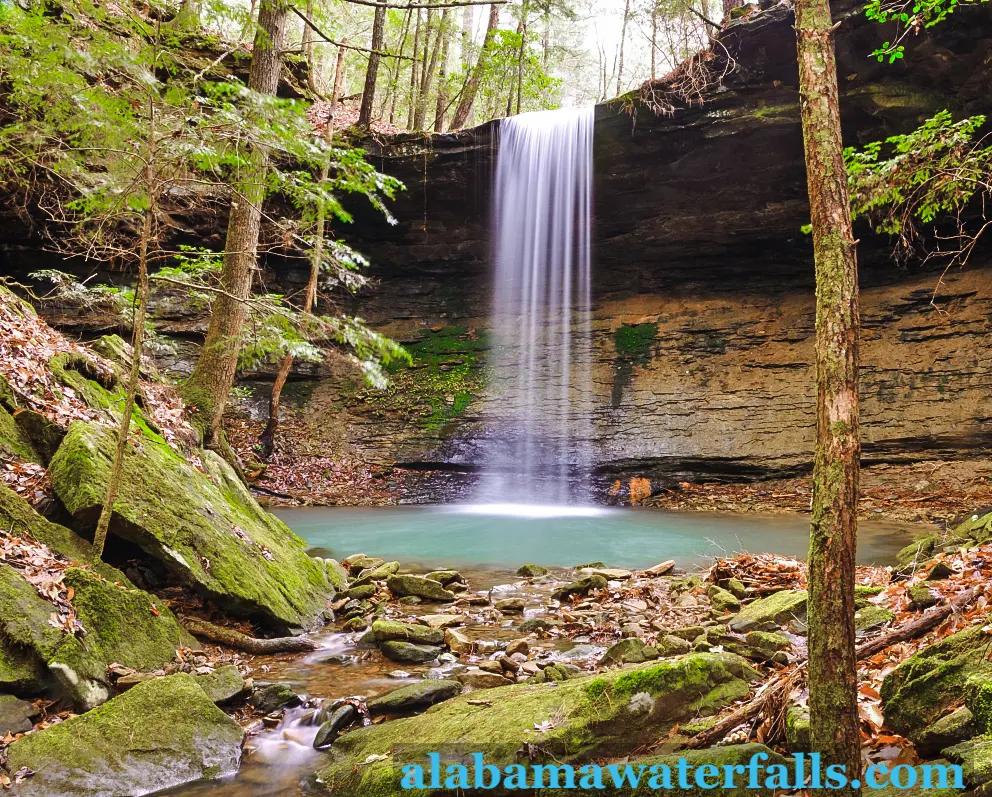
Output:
x,y
498,88
911,17
918,177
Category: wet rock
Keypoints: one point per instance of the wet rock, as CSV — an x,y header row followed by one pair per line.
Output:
x,y
445,577
442,621
509,665
723,601
332,722
424,588
581,653
532,571
609,573
16,716
380,573
924,687
223,685
779,609
491,666
475,678
518,646
408,652
158,735
390,630
582,586
355,624
952,729
272,697
510,605
410,600
415,696
356,564
671,645
920,597
457,641
629,651
537,624
689,632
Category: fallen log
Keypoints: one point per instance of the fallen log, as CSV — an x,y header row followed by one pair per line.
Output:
x,y
235,639
779,690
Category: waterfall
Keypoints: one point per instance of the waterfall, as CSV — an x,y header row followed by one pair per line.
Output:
x,y
538,450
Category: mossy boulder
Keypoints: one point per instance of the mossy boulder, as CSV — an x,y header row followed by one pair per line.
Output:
x,y
223,685
531,571
415,696
390,630
14,443
723,600
417,586
949,730
629,651
581,719
409,652
16,716
203,526
779,609
871,617
157,735
920,597
918,551
924,687
975,758
21,671
581,587
797,729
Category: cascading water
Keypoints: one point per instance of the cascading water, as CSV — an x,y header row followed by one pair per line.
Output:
x,y
539,449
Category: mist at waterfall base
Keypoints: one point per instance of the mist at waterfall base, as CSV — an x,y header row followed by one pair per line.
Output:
x,y
537,444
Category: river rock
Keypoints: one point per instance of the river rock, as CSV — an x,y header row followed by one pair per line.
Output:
x,y
417,586
511,605
408,652
205,528
380,573
359,562
477,678
531,571
457,641
414,696
582,586
16,716
612,712
442,621
332,722
518,646
723,600
661,568
629,651
268,698
390,630
779,609
445,577
609,573
158,735
223,685
361,593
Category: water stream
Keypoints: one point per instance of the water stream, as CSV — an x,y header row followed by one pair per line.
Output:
x,y
540,313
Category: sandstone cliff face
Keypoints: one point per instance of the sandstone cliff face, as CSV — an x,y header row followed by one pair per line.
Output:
x,y
703,282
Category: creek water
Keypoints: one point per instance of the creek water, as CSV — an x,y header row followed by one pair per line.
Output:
x,y
493,535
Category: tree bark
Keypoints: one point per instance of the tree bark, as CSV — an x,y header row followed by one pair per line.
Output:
x,y
833,532
372,73
654,41
427,73
472,84
414,80
394,80
442,78
623,41
268,436
730,5
137,345
521,54
209,385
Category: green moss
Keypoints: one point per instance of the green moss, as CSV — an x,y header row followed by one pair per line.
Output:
x,y
797,729
872,617
634,341
14,444
21,671
204,526
163,732
576,720
779,608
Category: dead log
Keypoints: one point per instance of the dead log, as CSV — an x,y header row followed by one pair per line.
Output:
x,y
235,639
779,690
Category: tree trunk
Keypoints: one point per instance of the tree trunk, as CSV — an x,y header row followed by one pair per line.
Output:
x,y
209,385
397,62
427,73
414,82
623,41
730,5
137,346
833,532
372,73
268,437
654,41
521,54
472,84
307,45
442,78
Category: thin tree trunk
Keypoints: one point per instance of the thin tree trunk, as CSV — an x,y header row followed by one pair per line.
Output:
x,y
209,386
307,44
520,55
834,729
472,85
397,62
412,110
654,41
427,73
372,73
623,41
442,78
137,346
268,437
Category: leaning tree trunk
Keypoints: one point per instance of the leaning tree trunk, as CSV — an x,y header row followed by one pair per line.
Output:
x,y
210,383
442,78
833,533
372,73
414,80
623,41
268,436
471,87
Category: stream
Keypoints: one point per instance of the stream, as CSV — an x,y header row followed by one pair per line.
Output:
x,y
487,543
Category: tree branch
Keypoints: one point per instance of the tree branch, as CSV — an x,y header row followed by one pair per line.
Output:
x,y
704,19
329,40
